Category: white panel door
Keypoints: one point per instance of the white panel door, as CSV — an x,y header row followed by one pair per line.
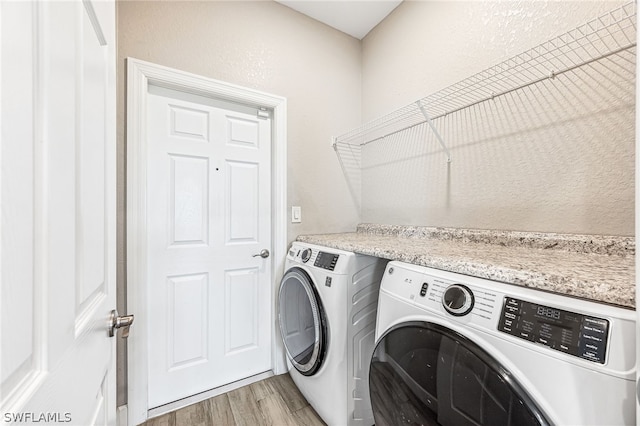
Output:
x,y
57,189
209,213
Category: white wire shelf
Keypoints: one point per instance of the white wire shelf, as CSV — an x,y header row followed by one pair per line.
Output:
x,y
610,34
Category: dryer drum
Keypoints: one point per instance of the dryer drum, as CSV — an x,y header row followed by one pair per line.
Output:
x,y
302,321
424,373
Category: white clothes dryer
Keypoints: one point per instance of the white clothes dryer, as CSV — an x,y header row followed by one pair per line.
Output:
x,y
458,350
327,311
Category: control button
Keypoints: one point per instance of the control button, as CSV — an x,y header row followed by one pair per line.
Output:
x,y
306,255
593,339
546,341
563,347
595,356
458,300
423,290
545,335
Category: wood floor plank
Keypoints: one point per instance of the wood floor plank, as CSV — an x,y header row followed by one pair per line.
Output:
x,y
307,416
193,415
262,388
168,419
219,411
283,385
244,407
275,401
186,416
275,411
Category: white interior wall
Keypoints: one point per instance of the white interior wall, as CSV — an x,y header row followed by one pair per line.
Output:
x,y
556,157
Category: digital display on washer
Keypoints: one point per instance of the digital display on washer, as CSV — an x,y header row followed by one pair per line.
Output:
x,y
576,334
326,260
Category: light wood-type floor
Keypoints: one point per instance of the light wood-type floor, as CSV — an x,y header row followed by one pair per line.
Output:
x,y
275,401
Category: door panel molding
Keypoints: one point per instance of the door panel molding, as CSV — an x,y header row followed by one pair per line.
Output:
x,y
141,75
22,369
180,289
241,322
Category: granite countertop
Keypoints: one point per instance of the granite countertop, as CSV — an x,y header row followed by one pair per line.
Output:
x,y
593,267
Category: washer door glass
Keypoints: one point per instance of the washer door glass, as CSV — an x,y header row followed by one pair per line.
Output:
x,y
302,321
423,373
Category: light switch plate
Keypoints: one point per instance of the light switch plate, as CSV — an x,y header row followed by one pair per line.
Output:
x,y
296,214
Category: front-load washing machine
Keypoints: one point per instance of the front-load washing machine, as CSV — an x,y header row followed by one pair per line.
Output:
x,y
327,312
458,350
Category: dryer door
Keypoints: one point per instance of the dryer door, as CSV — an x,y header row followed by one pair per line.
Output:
x,y
423,373
302,321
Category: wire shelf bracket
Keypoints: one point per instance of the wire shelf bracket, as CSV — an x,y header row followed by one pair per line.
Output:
x,y
433,128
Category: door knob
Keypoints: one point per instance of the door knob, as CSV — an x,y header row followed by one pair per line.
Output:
x,y
119,321
264,253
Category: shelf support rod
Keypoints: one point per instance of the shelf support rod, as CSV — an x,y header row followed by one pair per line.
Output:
x,y
435,131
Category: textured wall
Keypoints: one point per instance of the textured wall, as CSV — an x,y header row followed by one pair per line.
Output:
x,y
269,47
556,157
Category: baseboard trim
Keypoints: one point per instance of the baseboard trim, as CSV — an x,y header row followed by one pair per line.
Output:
x,y
176,405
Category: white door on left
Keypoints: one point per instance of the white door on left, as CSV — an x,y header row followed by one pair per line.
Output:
x,y
57,194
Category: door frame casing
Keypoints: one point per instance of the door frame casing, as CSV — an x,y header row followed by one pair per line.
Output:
x,y
141,74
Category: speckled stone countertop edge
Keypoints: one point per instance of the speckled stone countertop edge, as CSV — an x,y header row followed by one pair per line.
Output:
x,y
616,288
577,243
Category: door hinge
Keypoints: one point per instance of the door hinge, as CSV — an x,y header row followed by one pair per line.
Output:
x,y
263,113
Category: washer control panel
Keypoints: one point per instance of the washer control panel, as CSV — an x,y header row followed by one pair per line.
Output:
x,y
575,334
319,259
464,303
326,260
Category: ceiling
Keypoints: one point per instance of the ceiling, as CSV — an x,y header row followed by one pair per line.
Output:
x,y
355,17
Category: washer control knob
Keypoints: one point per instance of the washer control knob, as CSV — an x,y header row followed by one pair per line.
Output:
x,y
306,255
458,300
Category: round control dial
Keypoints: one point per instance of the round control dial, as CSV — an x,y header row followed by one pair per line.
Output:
x,y
458,300
306,255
